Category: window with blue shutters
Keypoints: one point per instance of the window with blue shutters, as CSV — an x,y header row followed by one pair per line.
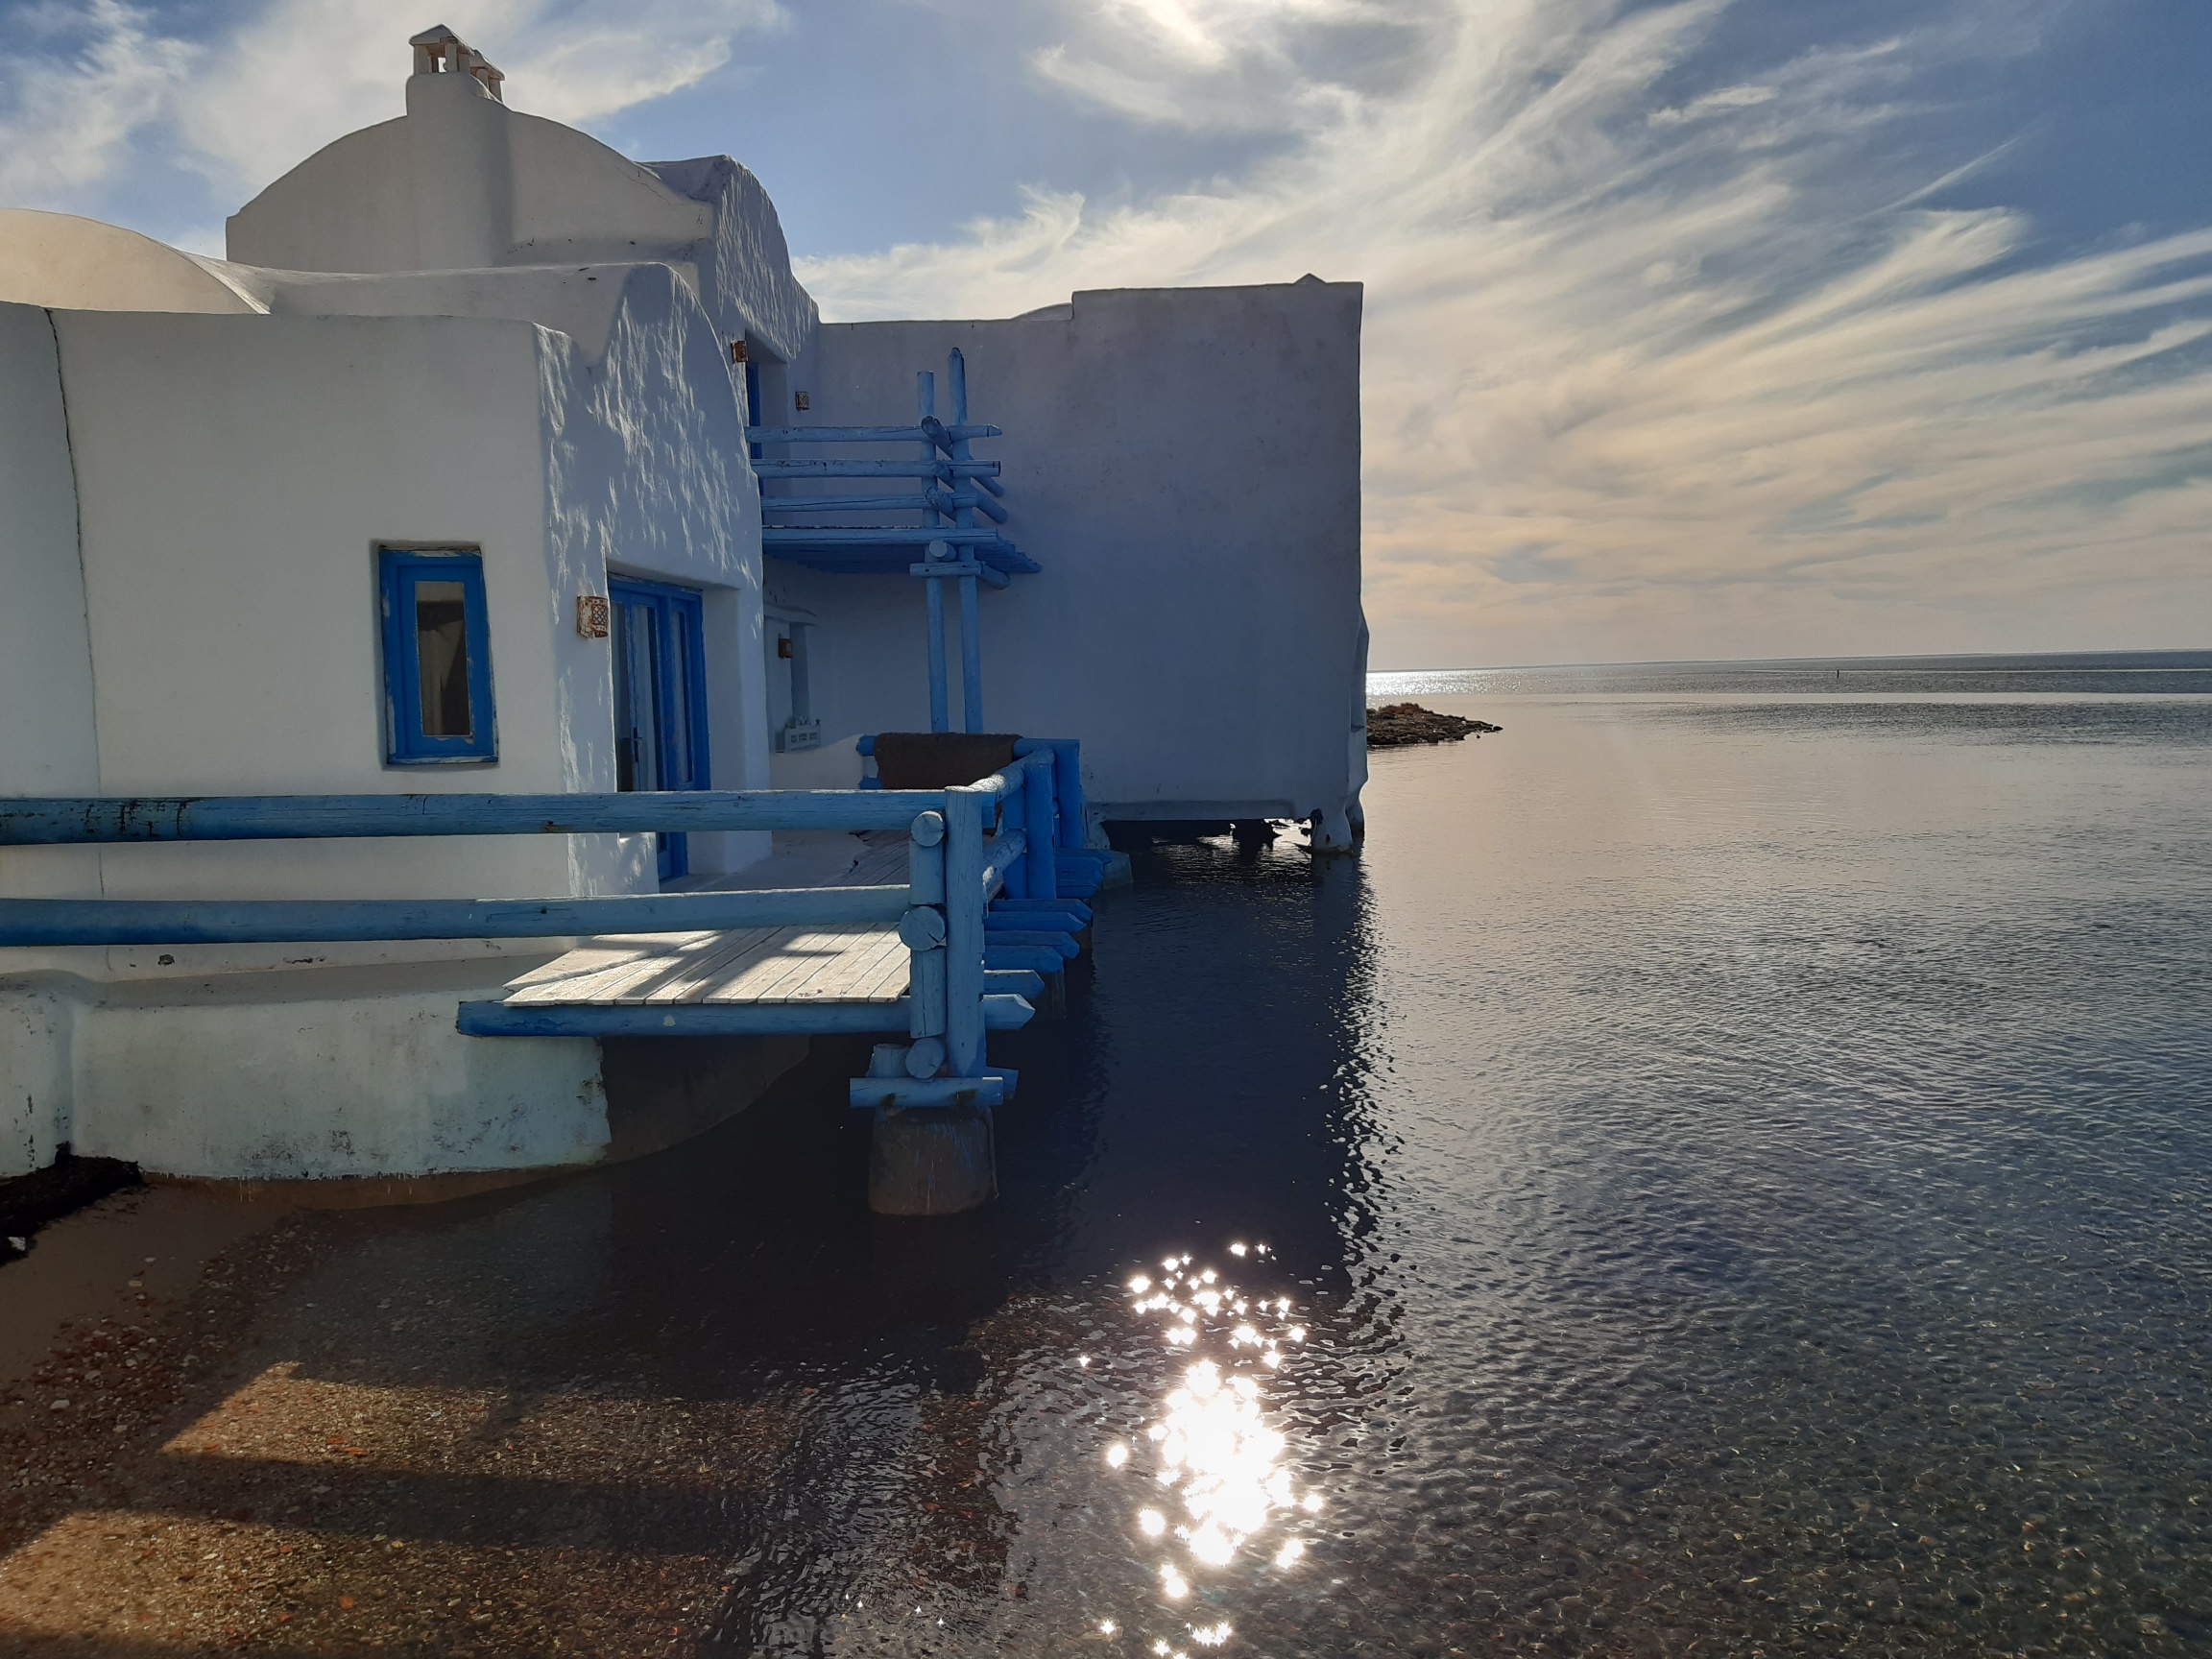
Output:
x,y
436,658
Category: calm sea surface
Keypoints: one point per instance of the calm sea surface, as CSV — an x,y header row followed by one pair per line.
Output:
x,y
1728,1171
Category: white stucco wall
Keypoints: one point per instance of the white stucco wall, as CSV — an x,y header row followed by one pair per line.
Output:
x,y
47,744
744,266
237,477
47,741
1185,464
576,300
646,475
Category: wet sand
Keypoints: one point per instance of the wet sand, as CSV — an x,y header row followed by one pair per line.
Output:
x,y
245,1425
241,1443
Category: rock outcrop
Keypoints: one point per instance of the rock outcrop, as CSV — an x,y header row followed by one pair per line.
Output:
x,y
1397,724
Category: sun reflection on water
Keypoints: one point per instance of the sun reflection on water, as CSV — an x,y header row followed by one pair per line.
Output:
x,y
1218,1487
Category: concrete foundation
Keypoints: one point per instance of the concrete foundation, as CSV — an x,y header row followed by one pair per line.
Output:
x,y
343,1077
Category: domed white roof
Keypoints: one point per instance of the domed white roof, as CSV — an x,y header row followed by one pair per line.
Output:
x,y
67,263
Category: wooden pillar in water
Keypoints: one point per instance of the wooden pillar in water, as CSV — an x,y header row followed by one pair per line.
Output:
x,y
927,1159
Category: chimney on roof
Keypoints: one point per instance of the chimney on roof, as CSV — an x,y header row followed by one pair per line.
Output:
x,y
462,164
440,51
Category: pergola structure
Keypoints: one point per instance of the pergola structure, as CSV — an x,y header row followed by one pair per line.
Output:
x,y
958,492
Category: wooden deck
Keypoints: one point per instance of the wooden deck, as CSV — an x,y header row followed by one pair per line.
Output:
x,y
752,965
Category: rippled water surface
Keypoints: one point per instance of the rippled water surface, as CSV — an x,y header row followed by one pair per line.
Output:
x,y
1728,1171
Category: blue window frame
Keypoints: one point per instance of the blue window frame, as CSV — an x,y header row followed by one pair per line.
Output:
x,y
659,696
437,658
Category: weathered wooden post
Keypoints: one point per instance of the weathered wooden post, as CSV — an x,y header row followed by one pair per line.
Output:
x,y
938,1160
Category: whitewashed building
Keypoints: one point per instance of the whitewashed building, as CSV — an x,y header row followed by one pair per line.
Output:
x,y
442,481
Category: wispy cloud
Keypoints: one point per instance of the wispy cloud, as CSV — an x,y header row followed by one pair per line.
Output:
x,y
1659,368
95,90
76,84
1673,345
1233,65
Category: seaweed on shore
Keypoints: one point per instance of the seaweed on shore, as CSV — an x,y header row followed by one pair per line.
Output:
x,y
68,1184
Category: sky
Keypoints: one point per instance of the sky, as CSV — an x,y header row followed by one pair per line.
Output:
x,y
1697,328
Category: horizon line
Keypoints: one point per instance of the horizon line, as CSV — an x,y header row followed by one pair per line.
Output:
x,y
2205,651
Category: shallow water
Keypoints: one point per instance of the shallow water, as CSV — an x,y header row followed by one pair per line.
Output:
x,y
1738,1166
1742,1165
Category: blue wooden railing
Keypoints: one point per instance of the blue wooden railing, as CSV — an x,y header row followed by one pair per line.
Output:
x,y
996,876
959,488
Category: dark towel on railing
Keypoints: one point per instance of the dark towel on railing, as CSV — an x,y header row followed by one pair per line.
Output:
x,y
940,759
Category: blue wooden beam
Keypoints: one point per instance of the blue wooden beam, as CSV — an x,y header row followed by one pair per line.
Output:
x,y
39,921
1000,856
999,922
877,535
984,473
956,500
1073,907
971,657
1035,958
915,434
681,1019
1005,559
878,503
942,568
1043,939
937,500
1000,1013
887,1091
965,811
67,820
940,707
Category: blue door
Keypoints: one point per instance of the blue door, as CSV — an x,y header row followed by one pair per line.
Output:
x,y
660,697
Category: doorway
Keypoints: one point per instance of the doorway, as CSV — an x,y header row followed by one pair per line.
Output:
x,y
660,697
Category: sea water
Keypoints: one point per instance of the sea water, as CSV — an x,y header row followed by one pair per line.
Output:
x,y
1726,1169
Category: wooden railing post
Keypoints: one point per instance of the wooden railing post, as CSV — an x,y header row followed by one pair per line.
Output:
x,y
1037,819
926,893
1014,815
964,900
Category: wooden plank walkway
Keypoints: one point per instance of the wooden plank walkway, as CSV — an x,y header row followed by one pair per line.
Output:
x,y
756,965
